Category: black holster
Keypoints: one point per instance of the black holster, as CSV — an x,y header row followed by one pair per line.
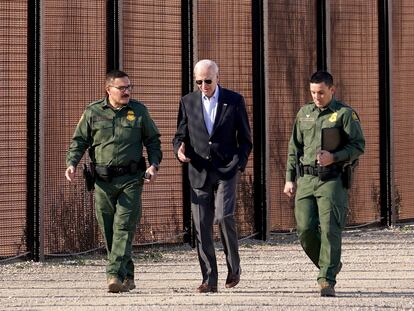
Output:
x,y
299,166
89,176
329,172
348,172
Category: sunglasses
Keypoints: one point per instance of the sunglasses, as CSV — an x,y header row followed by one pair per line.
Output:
x,y
124,88
199,82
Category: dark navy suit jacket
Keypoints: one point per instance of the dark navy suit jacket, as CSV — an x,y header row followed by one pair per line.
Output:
x,y
228,147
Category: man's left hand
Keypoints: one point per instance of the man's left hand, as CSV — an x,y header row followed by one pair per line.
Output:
x,y
151,174
324,158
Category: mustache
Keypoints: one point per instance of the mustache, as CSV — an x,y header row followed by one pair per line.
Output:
x,y
125,96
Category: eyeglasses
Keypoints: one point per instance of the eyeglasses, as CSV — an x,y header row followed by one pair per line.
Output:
x,y
199,82
124,88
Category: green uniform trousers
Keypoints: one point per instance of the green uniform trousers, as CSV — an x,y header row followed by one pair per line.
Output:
x,y
320,212
118,210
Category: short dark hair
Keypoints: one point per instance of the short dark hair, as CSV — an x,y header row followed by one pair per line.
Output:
x,y
114,74
322,76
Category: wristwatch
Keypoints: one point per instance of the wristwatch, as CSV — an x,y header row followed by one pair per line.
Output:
x,y
156,165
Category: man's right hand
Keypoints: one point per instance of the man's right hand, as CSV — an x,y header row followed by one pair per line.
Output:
x,y
290,188
70,173
181,154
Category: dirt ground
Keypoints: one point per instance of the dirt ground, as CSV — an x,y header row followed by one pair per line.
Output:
x,y
378,274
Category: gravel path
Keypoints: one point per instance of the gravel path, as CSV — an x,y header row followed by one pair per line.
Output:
x,y
378,274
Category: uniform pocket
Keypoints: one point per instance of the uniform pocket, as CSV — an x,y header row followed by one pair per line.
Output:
x,y
308,130
307,125
131,133
102,130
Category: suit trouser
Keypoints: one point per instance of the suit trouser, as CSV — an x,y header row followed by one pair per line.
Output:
x,y
320,212
118,210
215,202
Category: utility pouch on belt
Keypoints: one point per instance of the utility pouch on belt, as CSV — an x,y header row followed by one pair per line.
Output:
x,y
89,176
104,173
328,172
135,167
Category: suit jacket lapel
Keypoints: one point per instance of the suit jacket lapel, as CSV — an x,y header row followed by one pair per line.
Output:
x,y
198,110
221,109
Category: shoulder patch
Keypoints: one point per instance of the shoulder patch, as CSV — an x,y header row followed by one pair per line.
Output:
x,y
355,116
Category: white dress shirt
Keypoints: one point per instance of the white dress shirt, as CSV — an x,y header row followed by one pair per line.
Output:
x,y
210,109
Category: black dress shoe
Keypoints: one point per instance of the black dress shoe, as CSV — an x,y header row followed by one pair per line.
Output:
x,y
205,288
233,279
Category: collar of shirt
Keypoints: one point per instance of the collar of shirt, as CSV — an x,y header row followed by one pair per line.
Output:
x,y
333,106
210,104
210,109
212,99
106,104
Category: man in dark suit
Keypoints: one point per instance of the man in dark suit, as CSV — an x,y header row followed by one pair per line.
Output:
x,y
213,137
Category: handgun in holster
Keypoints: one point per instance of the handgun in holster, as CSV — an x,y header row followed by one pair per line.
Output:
x,y
298,165
142,164
89,176
139,166
347,173
89,172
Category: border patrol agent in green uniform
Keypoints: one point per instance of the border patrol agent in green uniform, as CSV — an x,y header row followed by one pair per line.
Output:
x,y
115,129
321,199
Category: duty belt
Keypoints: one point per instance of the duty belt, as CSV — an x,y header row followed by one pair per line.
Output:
x,y
107,172
310,170
112,170
119,170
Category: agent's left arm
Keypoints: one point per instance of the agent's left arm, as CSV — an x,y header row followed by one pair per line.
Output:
x,y
355,145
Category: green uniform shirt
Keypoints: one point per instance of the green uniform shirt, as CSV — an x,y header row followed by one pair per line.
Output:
x,y
117,137
307,130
